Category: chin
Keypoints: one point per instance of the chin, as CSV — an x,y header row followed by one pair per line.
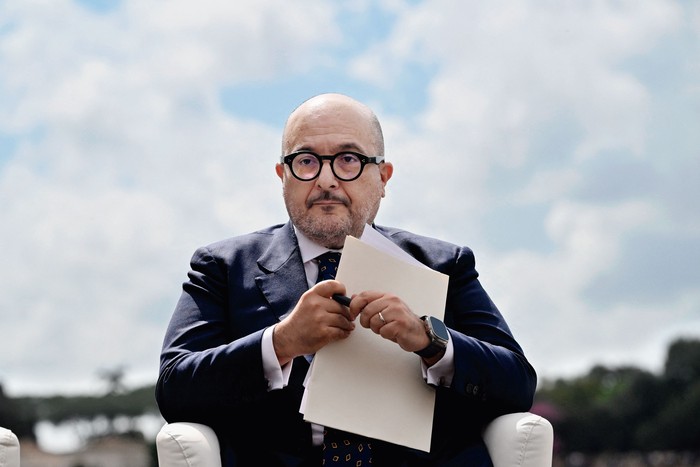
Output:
x,y
330,233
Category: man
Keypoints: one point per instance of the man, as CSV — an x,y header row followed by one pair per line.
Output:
x,y
235,353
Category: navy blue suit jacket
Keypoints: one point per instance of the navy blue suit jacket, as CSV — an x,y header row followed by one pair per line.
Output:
x,y
211,368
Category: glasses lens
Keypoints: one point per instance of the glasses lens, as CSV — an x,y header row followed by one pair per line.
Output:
x,y
305,166
347,165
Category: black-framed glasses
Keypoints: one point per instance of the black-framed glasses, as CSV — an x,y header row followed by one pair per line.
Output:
x,y
346,165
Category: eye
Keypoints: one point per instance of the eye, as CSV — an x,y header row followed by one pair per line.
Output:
x,y
348,158
306,160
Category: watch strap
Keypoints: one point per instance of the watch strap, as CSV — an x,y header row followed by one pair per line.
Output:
x,y
430,351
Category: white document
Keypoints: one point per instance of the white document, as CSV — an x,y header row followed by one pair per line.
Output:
x,y
373,238
366,384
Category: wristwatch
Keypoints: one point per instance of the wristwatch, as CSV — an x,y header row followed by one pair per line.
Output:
x,y
438,334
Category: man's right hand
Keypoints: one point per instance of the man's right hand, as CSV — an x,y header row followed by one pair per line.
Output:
x,y
316,320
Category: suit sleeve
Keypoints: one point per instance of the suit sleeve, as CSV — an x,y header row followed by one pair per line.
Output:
x,y
491,371
205,373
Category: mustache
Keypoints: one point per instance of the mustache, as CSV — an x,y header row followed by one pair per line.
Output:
x,y
327,196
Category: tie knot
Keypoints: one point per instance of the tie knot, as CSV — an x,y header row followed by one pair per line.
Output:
x,y
328,265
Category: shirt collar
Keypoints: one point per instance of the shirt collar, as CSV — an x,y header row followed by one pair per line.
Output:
x,y
308,248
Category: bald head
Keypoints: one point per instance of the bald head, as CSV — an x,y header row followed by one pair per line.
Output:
x,y
319,112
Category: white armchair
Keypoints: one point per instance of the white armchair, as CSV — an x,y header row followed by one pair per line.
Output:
x,y
513,440
9,448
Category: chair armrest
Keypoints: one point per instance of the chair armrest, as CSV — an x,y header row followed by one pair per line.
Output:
x,y
520,440
9,448
188,445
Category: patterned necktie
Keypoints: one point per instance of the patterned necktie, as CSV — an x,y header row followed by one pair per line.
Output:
x,y
340,447
327,265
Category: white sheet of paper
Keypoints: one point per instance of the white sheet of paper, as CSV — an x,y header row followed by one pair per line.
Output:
x,y
366,384
380,242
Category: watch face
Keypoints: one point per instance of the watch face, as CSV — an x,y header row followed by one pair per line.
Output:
x,y
439,328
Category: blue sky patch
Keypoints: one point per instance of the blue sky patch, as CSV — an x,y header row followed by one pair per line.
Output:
x,y
8,145
271,102
99,6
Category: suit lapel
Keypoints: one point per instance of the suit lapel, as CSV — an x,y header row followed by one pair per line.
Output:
x,y
284,279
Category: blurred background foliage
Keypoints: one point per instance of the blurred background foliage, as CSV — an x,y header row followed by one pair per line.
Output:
x,y
628,409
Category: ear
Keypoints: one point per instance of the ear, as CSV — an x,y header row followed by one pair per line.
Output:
x,y
386,170
279,168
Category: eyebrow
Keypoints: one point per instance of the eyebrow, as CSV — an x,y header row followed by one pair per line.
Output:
x,y
340,148
350,147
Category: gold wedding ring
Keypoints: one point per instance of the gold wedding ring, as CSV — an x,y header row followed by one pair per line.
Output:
x,y
381,317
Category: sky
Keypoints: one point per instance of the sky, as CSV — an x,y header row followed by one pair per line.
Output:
x,y
558,140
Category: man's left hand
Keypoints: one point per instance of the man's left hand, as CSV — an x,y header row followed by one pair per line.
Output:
x,y
389,316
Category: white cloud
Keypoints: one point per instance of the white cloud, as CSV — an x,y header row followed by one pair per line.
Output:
x,y
544,295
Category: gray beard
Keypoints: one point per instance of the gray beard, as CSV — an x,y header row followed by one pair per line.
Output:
x,y
329,232
326,235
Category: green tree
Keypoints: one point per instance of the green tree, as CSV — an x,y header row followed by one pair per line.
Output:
x,y
626,408
682,365
16,416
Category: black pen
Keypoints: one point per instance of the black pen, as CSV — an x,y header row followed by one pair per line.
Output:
x,y
342,299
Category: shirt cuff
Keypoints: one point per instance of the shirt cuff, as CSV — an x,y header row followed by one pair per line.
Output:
x,y
442,372
277,376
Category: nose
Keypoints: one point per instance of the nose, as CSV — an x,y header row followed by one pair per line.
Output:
x,y
326,178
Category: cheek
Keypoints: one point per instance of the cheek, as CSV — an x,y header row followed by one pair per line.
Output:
x,y
365,194
295,191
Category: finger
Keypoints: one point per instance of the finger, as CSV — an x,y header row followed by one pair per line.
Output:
x,y
366,304
389,332
341,322
328,288
377,321
366,319
354,311
362,299
342,310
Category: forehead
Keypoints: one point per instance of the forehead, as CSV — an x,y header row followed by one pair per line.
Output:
x,y
328,127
